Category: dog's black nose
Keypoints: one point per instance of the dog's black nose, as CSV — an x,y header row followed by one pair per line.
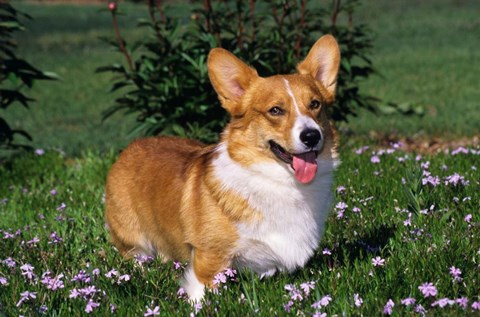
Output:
x,y
310,137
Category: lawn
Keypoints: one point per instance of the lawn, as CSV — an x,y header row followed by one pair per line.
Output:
x,y
403,234
400,222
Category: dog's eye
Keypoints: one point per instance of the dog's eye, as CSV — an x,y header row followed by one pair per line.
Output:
x,y
276,111
315,104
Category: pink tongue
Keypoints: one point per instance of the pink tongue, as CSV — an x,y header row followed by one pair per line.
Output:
x,y
305,167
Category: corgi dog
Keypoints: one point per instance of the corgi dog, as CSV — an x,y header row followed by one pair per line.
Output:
x,y
258,199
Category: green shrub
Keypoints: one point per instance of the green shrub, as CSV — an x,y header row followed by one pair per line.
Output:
x,y
15,74
165,81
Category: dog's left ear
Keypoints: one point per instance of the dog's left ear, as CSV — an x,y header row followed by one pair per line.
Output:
x,y
322,62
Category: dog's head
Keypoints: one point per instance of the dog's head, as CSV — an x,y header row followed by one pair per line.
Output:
x,y
282,117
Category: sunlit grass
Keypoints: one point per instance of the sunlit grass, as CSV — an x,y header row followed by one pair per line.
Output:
x,y
384,211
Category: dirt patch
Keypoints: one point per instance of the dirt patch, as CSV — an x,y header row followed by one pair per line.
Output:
x,y
426,145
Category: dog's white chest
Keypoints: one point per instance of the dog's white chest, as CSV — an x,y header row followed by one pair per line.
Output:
x,y
292,214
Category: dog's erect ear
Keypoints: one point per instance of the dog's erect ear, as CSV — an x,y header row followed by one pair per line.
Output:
x,y
230,77
322,62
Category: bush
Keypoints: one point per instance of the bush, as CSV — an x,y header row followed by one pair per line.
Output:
x,y
167,85
15,74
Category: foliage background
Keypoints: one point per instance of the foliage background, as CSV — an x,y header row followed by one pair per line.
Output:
x,y
425,53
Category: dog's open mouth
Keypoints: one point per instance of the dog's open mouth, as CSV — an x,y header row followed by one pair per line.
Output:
x,y
304,164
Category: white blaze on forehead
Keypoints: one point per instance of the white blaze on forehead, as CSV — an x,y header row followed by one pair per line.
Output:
x,y
290,93
302,121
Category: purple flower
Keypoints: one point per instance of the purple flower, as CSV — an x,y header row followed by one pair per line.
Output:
x,y
408,221
124,278
357,299
220,278
375,159
54,238
341,189
27,270
431,180
378,261
82,276
324,301
181,292
35,240
408,301
230,272
356,209
74,293
428,289
476,305
10,262
111,273
53,192
307,286
327,251
455,273
140,259
52,283
388,308
362,149
456,179
443,302
296,295
91,305
61,207
319,314
25,296
3,280
420,309
468,218
177,265
197,307
152,312
288,306
459,150
425,165
341,206
462,302
39,152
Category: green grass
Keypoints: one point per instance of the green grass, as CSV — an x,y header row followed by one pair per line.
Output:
x,y
416,254
426,53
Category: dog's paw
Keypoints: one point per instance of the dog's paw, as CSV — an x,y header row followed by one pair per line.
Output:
x,y
268,273
192,286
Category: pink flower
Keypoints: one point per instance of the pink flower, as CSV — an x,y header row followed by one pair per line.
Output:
x,y
358,300
152,312
378,261
307,286
25,296
112,6
455,273
408,301
428,289
220,278
324,301
375,159
91,305
462,302
476,305
468,218
388,308
443,302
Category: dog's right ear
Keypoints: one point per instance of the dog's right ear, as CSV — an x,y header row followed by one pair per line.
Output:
x,y
230,77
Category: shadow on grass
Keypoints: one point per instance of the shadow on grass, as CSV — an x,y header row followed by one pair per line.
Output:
x,y
347,251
